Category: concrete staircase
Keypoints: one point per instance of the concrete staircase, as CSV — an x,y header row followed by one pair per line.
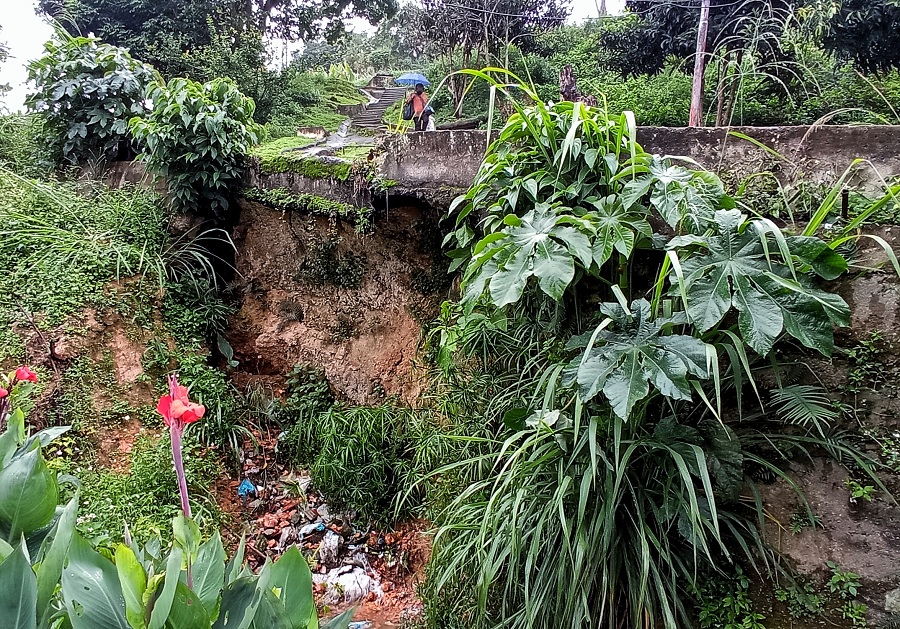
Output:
x,y
371,117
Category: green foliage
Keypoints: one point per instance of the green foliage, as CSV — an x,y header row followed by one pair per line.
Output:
x,y
866,32
197,135
312,167
859,491
286,201
639,351
802,599
310,99
562,188
616,475
866,370
325,264
364,458
62,243
21,145
725,604
802,519
843,582
145,498
87,92
738,268
307,396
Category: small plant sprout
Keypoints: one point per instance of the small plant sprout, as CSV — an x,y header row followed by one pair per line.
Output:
x,y
178,411
858,491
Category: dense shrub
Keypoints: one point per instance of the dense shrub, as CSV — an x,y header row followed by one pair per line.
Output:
x,y
88,91
364,458
197,136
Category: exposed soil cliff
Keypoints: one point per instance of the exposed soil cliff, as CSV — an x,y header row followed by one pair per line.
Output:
x,y
315,291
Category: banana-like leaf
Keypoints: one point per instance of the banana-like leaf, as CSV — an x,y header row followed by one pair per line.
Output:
x,y
291,575
188,611
163,603
91,590
18,592
209,574
240,601
28,494
133,580
52,557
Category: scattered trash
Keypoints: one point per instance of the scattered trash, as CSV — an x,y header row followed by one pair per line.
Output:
x,y
309,529
245,490
348,584
360,624
330,548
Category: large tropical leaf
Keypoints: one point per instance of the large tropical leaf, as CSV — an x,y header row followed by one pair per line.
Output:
x,y
617,228
52,557
28,493
209,574
738,268
133,580
91,590
18,592
291,575
633,353
187,611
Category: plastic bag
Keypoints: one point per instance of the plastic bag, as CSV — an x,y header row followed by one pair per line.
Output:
x,y
408,111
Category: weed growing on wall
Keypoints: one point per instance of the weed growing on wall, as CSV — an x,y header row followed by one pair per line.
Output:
x,y
284,200
325,264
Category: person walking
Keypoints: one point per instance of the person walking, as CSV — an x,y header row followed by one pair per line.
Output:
x,y
419,101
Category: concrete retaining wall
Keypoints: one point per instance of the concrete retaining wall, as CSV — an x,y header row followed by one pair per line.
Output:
x,y
451,158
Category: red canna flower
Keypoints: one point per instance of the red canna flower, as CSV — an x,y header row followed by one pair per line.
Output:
x,y
177,409
3,393
24,374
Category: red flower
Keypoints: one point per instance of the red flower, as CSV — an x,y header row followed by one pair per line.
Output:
x,y
3,393
177,410
23,373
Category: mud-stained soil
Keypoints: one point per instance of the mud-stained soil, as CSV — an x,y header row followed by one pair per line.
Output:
x,y
316,291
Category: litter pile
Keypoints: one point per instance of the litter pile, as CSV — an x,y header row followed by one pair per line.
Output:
x,y
351,564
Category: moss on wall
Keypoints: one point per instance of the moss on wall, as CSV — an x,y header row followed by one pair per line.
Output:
x,y
284,200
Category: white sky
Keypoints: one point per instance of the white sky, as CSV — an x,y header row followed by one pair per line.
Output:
x,y
25,33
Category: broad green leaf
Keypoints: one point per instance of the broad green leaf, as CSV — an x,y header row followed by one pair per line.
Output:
x,y
291,575
187,611
52,557
209,574
554,268
271,613
760,320
240,600
737,268
508,283
28,493
13,436
233,568
91,590
18,592
187,536
632,354
133,581
163,602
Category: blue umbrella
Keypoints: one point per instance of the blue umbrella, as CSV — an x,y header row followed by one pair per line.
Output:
x,y
411,78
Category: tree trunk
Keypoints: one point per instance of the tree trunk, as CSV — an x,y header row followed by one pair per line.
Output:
x,y
601,8
696,113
